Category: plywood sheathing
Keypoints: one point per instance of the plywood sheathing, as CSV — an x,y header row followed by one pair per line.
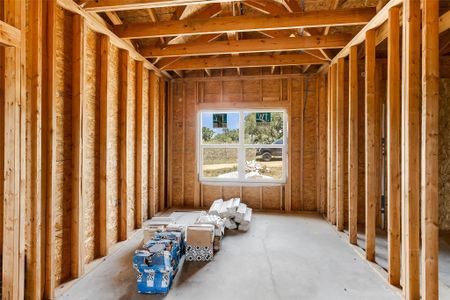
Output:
x,y
91,145
131,136
63,183
184,188
113,146
145,145
444,154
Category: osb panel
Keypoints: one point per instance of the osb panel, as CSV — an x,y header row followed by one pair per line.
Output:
x,y
177,144
309,145
271,197
444,154
183,143
145,144
131,136
113,146
210,193
295,157
190,159
229,192
91,146
63,133
251,196
271,90
212,91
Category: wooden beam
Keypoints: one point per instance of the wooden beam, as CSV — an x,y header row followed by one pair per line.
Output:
x,y
34,264
98,25
49,146
139,153
103,100
123,136
370,165
353,163
115,5
10,36
248,46
411,107
114,17
77,229
393,146
340,94
12,112
375,22
243,62
444,22
333,75
430,149
343,17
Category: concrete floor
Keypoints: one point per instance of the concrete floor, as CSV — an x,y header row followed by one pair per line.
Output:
x,y
280,257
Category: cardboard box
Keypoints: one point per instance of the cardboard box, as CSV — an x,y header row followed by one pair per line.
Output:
x,y
199,242
200,235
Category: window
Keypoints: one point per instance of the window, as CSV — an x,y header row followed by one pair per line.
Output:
x,y
243,146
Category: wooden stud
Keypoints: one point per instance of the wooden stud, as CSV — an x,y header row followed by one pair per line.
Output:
x,y
34,69
123,110
77,229
49,147
430,149
162,147
333,73
353,146
10,36
340,94
153,140
329,145
139,154
103,100
393,146
322,159
370,165
410,190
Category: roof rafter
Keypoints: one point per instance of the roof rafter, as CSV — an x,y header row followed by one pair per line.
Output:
x,y
342,17
244,62
247,46
117,5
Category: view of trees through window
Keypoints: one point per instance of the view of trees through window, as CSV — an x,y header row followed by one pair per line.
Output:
x,y
260,152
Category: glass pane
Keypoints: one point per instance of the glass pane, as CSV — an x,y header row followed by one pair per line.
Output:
x,y
263,127
220,163
220,127
264,163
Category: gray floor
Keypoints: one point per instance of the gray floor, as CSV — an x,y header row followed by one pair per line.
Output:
x,y
281,257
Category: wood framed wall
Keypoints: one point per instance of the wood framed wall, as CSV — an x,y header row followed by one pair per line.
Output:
x,y
298,94
65,111
412,141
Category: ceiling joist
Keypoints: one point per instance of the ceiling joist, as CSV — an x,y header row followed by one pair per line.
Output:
x,y
248,46
244,62
117,5
343,17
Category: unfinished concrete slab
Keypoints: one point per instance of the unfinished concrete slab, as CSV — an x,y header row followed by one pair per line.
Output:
x,y
280,257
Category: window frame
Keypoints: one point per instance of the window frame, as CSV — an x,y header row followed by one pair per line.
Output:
x,y
241,149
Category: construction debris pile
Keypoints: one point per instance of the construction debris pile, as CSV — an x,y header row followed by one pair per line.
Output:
x,y
165,242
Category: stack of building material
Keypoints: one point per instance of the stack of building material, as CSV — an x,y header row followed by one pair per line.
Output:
x,y
199,242
236,214
215,207
158,263
244,225
219,227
